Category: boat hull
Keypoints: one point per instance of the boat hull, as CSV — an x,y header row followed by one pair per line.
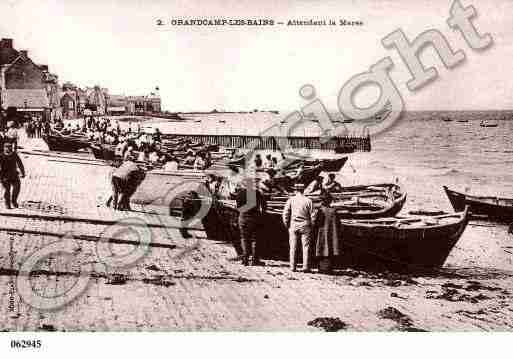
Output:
x,y
373,248
481,205
399,248
64,144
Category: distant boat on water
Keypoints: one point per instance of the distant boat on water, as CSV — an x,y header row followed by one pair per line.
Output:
x,y
447,119
463,121
487,123
222,121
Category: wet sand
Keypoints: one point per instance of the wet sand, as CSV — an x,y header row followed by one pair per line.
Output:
x,y
192,284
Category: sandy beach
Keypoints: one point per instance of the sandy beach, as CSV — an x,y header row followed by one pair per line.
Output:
x,y
184,285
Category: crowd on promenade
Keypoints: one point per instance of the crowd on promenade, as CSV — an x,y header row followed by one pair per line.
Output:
x,y
36,127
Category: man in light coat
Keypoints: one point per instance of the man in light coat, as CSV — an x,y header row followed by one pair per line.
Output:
x,y
299,217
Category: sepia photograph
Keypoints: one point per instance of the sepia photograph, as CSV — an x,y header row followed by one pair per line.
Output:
x,y
255,166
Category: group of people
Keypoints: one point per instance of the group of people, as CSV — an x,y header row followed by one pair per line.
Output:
x,y
35,127
137,145
315,229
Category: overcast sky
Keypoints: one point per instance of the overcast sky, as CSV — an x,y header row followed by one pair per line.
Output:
x,y
117,44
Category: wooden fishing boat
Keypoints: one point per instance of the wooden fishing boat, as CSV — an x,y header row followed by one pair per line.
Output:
x,y
413,243
402,244
493,207
239,161
328,165
345,149
357,202
65,143
488,124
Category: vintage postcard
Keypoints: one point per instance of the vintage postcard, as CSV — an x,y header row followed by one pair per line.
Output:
x,y
284,166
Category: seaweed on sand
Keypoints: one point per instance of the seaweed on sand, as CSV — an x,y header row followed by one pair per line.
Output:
x,y
328,324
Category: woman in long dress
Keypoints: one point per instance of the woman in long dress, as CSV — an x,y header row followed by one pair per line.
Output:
x,y
327,229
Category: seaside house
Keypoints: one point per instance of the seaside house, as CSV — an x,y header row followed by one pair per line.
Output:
x,y
25,88
117,104
144,104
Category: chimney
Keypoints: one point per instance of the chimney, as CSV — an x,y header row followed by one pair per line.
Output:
x,y
24,53
6,44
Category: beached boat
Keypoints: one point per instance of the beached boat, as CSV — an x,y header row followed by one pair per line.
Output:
x,y
492,207
403,244
239,161
328,165
345,149
356,202
413,243
488,124
65,143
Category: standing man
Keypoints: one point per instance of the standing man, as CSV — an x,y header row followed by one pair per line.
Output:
x,y
251,206
299,217
10,162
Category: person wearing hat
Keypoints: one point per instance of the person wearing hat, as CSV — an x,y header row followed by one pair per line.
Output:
x,y
258,161
327,234
251,206
12,135
299,217
10,163
332,185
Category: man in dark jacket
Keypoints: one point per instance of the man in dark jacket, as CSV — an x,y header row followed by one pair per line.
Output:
x,y
251,206
10,163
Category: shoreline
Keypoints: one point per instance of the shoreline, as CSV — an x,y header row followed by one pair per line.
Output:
x,y
202,290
